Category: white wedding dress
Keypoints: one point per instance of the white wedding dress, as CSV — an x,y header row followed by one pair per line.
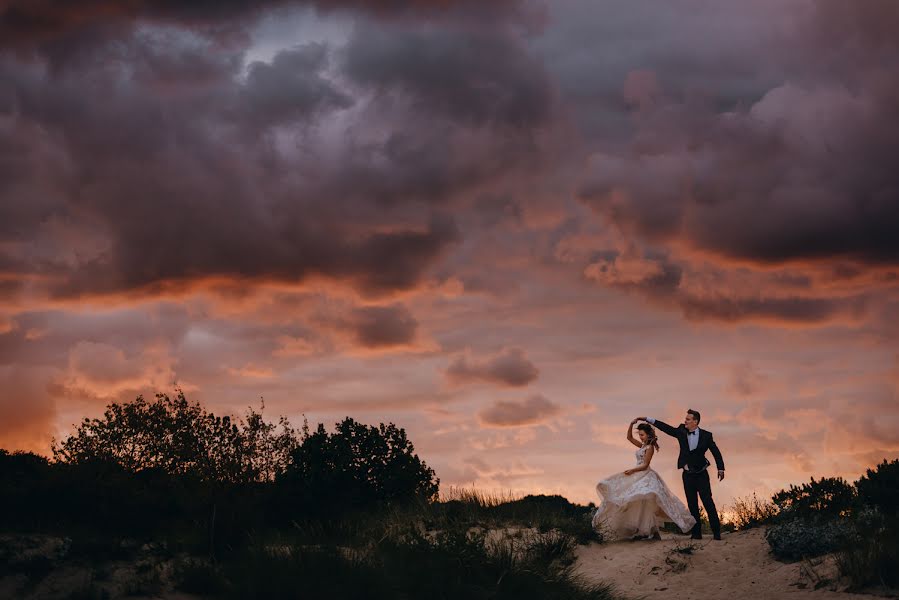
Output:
x,y
638,504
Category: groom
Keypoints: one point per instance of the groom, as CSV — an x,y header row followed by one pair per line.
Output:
x,y
693,445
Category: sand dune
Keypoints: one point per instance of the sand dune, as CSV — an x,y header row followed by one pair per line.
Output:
x,y
738,567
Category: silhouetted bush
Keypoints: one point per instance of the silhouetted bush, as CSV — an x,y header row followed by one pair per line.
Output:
x,y
826,498
879,488
798,538
858,523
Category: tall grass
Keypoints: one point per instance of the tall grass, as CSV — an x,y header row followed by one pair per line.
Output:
x,y
470,543
474,507
411,564
751,511
459,508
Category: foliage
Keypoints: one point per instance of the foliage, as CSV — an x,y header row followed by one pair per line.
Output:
x,y
177,437
879,488
859,524
358,466
826,498
798,538
171,468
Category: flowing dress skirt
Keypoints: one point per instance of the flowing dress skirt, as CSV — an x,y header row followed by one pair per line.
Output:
x,y
637,505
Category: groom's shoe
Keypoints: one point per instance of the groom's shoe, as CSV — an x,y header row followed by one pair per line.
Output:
x,y
717,536
696,536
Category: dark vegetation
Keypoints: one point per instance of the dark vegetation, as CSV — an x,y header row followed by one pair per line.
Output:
x,y
858,522
243,508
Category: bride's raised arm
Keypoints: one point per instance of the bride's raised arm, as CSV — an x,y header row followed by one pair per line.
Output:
x,y
630,435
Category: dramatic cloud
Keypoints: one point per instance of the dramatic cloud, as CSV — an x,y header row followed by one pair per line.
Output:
x,y
290,87
510,367
444,70
769,185
228,213
343,206
25,22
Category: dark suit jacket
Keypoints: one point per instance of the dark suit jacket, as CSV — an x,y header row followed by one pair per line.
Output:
x,y
696,459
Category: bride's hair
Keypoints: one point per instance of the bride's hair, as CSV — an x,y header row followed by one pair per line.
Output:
x,y
651,438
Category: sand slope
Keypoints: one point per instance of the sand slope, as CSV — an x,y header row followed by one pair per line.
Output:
x,y
735,568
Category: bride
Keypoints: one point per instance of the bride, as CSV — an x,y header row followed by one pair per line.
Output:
x,y
636,502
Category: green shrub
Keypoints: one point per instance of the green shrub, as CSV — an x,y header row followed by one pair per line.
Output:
x,y
799,538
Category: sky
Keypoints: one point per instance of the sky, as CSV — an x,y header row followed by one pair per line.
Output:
x,y
507,227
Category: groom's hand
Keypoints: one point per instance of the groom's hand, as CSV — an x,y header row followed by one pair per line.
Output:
x,y
721,475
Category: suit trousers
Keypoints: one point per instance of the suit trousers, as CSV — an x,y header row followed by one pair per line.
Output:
x,y
698,484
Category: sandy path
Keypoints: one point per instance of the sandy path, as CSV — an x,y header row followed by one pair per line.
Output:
x,y
738,567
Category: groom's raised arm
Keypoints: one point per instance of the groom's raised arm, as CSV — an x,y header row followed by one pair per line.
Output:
x,y
662,425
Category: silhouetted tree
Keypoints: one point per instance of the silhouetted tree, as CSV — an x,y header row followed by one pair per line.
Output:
x,y
880,487
358,466
181,438
169,465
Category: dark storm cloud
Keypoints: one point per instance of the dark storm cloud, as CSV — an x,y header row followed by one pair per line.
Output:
x,y
780,299
290,87
28,22
804,173
510,367
531,411
166,160
377,264
477,77
181,184
442,120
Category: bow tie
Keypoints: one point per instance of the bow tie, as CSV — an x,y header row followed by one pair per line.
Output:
x,y
692,432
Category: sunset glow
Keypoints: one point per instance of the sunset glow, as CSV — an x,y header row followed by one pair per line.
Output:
x,y
508,227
